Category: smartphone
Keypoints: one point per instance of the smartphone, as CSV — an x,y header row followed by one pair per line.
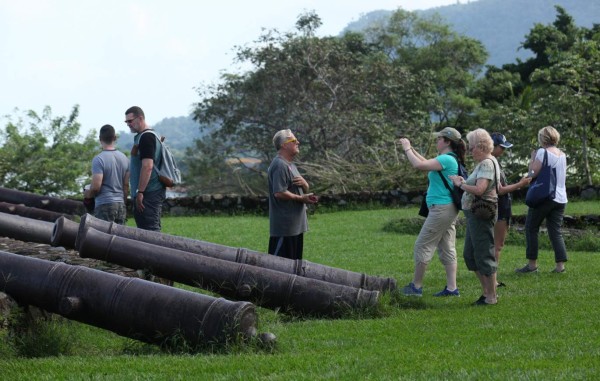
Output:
x,y
530,173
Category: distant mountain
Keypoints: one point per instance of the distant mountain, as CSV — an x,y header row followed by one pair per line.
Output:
x,y
501,25
179,132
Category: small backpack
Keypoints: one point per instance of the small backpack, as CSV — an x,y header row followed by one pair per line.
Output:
x,y
168,172
456,192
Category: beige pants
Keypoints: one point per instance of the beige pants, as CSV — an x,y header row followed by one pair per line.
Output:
x,y
438,232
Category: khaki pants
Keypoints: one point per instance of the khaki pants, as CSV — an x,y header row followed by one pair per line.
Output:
x,y
438,232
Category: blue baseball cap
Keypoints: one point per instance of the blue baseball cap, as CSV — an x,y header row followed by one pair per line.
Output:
x,y
500,140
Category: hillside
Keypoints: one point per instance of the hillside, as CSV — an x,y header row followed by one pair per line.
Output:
x,y
180,132
500,25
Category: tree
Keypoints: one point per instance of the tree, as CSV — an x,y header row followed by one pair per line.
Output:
x,y
346,98
46,155
452,61
559,86
570,91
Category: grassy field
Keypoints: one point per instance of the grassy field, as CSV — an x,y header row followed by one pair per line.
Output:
x,y
544,327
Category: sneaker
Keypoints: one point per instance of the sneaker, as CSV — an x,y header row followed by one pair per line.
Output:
x,y
558,271
526,269
500,284
411,290
481,302
446,292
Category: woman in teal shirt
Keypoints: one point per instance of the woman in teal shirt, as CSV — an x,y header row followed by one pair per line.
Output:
x,y
438,231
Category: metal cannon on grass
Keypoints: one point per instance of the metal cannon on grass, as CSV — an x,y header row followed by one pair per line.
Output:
x,y
59,205
265,287
130,307
64,232
29,212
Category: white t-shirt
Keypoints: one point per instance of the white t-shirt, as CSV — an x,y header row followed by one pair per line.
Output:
x,y
560,163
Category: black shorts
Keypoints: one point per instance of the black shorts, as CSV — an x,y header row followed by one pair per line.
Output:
x,y
504,208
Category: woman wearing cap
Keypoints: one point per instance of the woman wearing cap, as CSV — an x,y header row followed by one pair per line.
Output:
x,y
438,231
504,198
553,210
479,237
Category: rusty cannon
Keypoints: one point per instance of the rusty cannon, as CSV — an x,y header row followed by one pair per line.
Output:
x,y
29,212
64,231
130,307
65,206
265,287
26,229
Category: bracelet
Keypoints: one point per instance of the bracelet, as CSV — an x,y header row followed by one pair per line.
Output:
x,y
406,150
142,192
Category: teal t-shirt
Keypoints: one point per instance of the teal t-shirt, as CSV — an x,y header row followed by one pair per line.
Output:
x,y
437,193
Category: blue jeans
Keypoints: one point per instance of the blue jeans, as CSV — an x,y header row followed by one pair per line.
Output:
x,y
149,219
553,212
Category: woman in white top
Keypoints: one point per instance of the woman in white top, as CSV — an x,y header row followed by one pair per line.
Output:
x,y
553,210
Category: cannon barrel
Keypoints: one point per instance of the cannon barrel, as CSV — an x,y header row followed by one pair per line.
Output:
x,y
265,287
59,205
301,268
64,233
130,307
25,229
29,212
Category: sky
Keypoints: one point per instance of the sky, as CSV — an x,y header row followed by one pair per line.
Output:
x,y
108,55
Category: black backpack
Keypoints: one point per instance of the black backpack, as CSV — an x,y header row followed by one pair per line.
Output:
x,y
456,192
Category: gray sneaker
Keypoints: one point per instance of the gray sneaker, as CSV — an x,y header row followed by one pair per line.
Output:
x,y
411,290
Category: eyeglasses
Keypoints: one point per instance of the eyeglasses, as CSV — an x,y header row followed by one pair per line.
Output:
x,y
291,140
131,120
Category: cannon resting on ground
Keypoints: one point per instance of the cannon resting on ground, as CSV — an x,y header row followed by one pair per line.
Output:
x,y
65,230
265,287
29,212
130,307
65,206
27,229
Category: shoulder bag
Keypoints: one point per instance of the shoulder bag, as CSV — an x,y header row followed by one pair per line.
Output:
x,y
543,187
485,209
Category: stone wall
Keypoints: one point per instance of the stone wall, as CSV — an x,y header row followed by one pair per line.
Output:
x,y
234,204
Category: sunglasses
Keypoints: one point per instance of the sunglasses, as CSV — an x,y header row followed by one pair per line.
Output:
x,y
131,120
291,140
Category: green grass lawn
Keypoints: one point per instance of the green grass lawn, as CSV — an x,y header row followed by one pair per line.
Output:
x,y
544,327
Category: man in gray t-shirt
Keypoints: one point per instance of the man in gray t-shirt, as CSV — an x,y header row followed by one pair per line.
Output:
x,y
110,179
287,199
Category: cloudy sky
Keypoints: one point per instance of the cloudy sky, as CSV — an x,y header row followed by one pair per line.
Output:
x,y
111,54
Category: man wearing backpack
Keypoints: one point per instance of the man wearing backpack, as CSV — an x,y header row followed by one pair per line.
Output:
x,y
147,192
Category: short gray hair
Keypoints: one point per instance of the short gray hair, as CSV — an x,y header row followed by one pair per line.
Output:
x,y
280,137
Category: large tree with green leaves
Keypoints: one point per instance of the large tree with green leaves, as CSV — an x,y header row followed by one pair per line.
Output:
x,y
346,98
559,86
451,61
45,155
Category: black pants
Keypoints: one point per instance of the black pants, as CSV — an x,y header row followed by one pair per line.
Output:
x,y
553,212
288,247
